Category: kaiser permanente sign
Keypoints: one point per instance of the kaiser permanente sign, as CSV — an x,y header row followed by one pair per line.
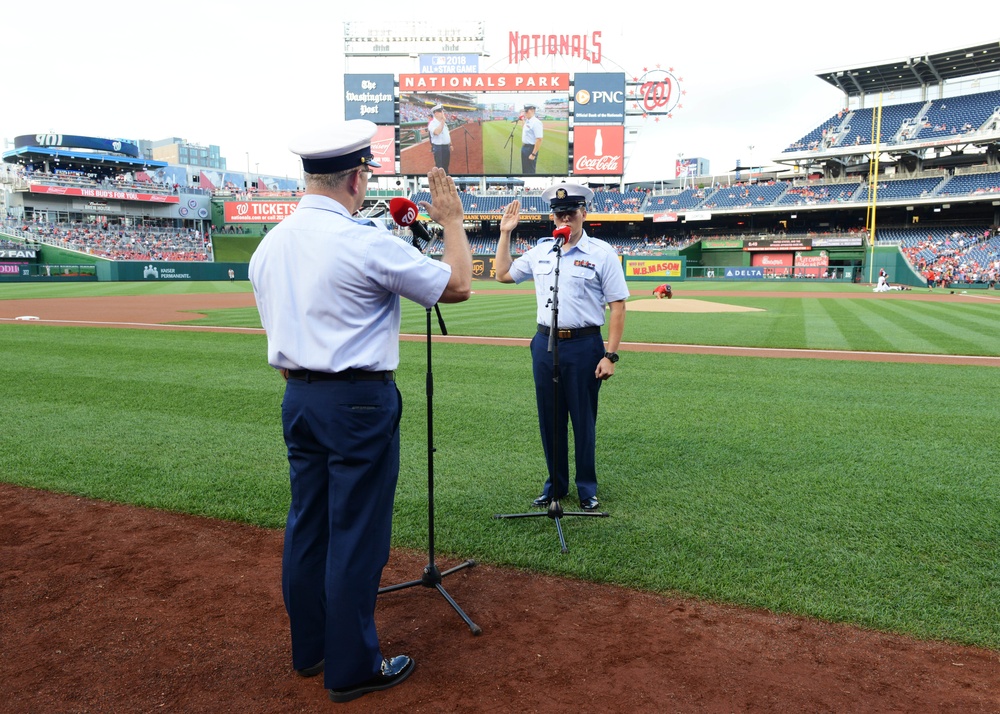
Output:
x,y
258,211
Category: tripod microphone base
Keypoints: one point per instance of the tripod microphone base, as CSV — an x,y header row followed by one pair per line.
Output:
x,y
556,513
431,578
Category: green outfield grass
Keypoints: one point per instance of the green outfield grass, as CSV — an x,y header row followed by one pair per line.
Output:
x,y
799,321
850,491
234,248
498,159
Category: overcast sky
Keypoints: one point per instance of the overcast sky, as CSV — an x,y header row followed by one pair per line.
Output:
x,y
243,75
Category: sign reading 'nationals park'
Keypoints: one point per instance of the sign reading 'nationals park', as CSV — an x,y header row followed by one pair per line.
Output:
x,y
484,82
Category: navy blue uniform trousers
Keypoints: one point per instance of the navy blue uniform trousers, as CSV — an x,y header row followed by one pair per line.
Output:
x,y
343,457
578,389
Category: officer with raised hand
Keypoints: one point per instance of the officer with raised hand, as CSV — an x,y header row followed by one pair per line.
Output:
x,y
590,276
328,284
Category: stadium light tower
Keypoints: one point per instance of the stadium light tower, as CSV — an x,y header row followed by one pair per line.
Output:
x,y
751,162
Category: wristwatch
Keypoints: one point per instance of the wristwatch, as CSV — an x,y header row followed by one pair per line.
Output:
x,y
613,356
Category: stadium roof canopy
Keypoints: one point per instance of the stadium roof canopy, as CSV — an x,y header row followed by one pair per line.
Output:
x,y
37,154
916,72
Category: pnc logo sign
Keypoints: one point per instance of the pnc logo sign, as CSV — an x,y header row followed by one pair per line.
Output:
x,y
609,97
585,97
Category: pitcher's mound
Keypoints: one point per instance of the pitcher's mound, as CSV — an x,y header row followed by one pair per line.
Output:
x,y
684,305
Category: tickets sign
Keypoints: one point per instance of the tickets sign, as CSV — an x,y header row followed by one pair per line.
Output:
x,y
258,211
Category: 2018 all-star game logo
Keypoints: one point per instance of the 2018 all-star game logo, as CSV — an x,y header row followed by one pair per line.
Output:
x,y
656,92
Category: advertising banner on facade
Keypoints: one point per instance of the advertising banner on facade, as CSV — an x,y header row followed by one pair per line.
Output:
x,y
599,150
812,265
258,211
659,268
553,82
778,244
599,98
104,193
384,150
449,64
371,97
775,263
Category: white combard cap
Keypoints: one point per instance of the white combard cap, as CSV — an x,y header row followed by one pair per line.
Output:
x,y
336,147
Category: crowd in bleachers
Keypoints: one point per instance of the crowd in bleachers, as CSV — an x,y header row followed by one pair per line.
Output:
x,y
117,242
902,123
945,256
79,179
742,195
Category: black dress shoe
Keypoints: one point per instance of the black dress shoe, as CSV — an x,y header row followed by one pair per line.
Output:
x,y
393,672
312,671
541,502
590,504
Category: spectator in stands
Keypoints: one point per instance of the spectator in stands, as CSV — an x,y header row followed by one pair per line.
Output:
x,y
595,276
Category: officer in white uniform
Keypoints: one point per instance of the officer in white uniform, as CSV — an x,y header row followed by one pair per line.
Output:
x,y
440,138
590,274
328,285
531,139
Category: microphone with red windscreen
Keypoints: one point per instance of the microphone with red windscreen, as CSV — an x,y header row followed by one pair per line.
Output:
x,y
405,212
561,234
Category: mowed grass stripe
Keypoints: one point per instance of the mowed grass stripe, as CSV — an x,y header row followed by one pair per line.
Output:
x,y
950,333
982,319
875,330
822,328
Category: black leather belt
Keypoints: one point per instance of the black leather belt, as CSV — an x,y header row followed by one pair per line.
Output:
x,y
569,334
348,375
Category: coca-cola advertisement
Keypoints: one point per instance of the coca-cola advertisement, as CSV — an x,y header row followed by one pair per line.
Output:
x,y
598,150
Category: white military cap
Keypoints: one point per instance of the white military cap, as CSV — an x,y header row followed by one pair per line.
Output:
x,y
530,106
337,146
567,196
438,108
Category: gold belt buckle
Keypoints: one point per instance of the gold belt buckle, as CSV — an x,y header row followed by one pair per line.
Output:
x,y
565,334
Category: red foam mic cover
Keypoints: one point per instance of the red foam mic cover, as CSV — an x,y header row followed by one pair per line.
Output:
x,y
562,232
403,210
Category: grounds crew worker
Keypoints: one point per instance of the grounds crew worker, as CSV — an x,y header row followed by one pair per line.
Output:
x,y
590,275
327,284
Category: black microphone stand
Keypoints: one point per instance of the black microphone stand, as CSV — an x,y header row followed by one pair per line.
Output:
x,y
510,142
555,510
465,142
432,575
